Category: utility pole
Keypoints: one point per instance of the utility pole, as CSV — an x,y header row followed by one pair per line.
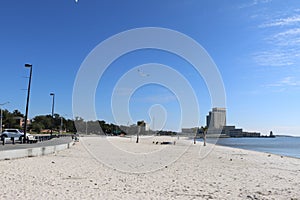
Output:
x,y
52,113
27,102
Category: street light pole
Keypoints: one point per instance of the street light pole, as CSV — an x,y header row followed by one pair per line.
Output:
x,y
27,102
138,133
2,104
86,127
61,124
53,96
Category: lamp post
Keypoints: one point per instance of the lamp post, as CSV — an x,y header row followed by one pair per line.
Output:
x,y
86,127
138,133
62,123
2,104
52,113
27,102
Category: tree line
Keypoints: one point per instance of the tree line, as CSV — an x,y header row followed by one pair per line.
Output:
x,y
44,123
37,124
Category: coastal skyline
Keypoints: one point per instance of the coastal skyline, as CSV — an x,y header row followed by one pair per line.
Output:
x,y
255,45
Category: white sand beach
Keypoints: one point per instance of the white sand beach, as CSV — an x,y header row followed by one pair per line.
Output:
x,y
92,170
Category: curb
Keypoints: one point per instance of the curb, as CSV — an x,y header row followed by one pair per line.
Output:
x,y
33,152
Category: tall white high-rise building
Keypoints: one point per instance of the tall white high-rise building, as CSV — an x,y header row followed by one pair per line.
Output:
x,y
216,119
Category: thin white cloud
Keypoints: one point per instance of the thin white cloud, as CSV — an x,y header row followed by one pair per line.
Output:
x,y
284,49
290,37
261,1
288,81
273,58
292,20
283,40
295,31
254,3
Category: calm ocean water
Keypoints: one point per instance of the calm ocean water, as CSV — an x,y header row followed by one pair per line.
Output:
x,y
286,146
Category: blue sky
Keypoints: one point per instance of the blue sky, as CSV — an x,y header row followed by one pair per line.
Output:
x,y
254,43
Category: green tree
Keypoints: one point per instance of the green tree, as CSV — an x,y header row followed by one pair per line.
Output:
x,y
70,126
37,127
11,120
17,113
45,120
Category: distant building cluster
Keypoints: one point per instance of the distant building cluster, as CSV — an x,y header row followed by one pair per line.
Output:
x,y
189,130
216,124
140,127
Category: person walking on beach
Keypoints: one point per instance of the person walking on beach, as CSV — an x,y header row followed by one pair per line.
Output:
x,y
204,129
195,137
204,138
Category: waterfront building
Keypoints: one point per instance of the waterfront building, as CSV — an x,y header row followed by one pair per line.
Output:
x,y
216,119
216,123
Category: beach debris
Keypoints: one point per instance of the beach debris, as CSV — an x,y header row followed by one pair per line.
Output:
x,y
162,143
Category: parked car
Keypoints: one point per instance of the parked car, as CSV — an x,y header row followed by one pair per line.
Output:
x,y
16,134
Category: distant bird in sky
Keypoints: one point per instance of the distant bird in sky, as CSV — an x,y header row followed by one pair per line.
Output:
x,y
140,71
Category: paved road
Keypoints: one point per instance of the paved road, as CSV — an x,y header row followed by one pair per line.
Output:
x,y
52,142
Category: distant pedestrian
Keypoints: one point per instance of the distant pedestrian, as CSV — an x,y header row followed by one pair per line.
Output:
x,y
204,138
197,131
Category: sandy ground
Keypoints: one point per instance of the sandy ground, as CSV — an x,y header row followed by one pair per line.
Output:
x,y
150,171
